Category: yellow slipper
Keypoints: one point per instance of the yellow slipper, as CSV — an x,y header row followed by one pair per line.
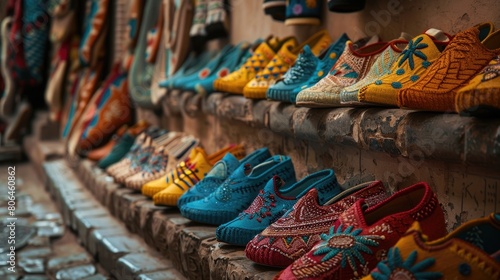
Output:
x,y
236,81
195,172
197,155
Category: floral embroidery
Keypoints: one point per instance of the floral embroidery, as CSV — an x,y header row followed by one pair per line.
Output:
x,y
413,49
261,207
297,9
347,244
397,268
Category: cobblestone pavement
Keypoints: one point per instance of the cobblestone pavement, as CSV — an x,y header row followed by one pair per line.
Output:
x,y
34,243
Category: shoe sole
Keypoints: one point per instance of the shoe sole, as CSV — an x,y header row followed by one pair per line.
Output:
x,y
207,217
166,199
279,95
302,21
221,87
311,104
234,236
274,4
255,94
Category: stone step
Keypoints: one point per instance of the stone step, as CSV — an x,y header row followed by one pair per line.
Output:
x,y
189,245
124,255
191,248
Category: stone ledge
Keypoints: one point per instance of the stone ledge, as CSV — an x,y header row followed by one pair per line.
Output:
x,y
397,132
121,253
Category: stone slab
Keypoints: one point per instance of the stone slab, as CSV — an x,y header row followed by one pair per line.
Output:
x,y
98,234
79,214
111,248
131,265
242,269
87,224
58,263
170,274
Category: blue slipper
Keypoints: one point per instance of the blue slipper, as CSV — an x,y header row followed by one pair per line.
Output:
x,y
221,171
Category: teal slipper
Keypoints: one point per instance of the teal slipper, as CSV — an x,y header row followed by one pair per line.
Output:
x,y
229,59
188,81
238,192
221,171
192,65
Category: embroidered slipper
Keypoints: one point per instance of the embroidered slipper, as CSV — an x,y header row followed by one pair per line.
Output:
x,y
481,96
472,251
361,235
217,25
238,192
307,71
282,61
221,171
420,53
470,51
351,66
262,55
294,234
198,31
381,67
197,171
